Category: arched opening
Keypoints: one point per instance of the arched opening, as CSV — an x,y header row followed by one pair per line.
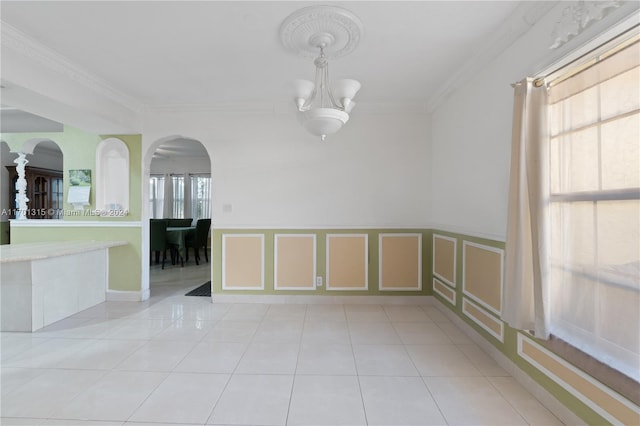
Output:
x,y
44,176
179,190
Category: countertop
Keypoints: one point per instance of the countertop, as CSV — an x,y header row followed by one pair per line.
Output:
x,y
44,250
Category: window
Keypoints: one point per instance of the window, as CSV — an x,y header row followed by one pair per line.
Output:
x,y
594,182
192,199
200,197
177,205
156,197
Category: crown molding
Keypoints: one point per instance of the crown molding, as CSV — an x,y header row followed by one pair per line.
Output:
x,y
16,40
284,108
519,22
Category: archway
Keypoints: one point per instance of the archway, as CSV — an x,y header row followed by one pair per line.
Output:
x,y
44,177
177,176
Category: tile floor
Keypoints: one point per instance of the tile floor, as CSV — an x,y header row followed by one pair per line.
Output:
x,y
179,360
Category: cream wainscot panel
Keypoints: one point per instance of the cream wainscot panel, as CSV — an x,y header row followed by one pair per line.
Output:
x,y
243,261
400,262
444,259
294,261
347,262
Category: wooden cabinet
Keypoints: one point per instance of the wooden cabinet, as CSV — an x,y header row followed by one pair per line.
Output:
x,y
44,191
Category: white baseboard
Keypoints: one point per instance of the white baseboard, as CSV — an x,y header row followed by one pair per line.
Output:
x,y
322,300
123,296
565,415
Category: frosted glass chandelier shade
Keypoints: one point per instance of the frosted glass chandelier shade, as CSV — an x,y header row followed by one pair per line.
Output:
x,y
323,121
326,31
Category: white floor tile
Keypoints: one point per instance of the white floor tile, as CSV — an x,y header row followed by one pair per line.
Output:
x,y
269,358
285,312
441,360
48,354
166,361
44,394
405,313
326,359
435,314
232,331
67,422
365,313
326,400
254,399
383,360
205,313
114,397
525,403
182,398
399,401
472,401
454,333
213,357
14,344
181,330
246,312
483,362
373,333
157,355
157,424
101,355
12,378
330,332
279,332
325,313
17,421
416,333
138,329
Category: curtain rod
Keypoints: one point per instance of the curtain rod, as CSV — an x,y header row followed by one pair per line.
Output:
x,y
598,54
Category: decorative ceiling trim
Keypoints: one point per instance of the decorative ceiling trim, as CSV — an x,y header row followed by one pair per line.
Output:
x,y
336,29
577,17
519,22
16,40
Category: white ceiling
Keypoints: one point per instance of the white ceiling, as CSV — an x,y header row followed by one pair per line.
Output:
x,y
216,53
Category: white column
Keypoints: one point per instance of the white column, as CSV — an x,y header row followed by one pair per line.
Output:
x,y
21,187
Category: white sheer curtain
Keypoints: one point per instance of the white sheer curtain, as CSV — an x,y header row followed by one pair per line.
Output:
x,y
573,237
526,285
156,197
201,196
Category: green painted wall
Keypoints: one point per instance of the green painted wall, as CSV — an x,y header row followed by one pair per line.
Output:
x,y
4,232
510,345
321,253
125,270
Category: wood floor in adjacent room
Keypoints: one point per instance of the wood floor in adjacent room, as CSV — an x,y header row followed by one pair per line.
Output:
x,y
180,360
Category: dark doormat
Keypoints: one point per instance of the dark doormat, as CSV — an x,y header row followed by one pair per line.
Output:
x,y
203,290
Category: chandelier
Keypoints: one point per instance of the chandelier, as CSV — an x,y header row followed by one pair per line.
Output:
x,y
323,32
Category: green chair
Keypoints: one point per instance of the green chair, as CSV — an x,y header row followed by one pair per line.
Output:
x,y
158,239
199,239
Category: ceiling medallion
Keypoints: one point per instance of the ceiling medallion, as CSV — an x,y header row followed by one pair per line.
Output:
x,y
323,32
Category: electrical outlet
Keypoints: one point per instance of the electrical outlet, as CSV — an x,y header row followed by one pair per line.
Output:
x,y
318,281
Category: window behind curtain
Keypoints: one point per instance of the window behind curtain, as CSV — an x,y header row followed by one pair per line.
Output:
x,y
177,205
200,197
595,209
156,197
